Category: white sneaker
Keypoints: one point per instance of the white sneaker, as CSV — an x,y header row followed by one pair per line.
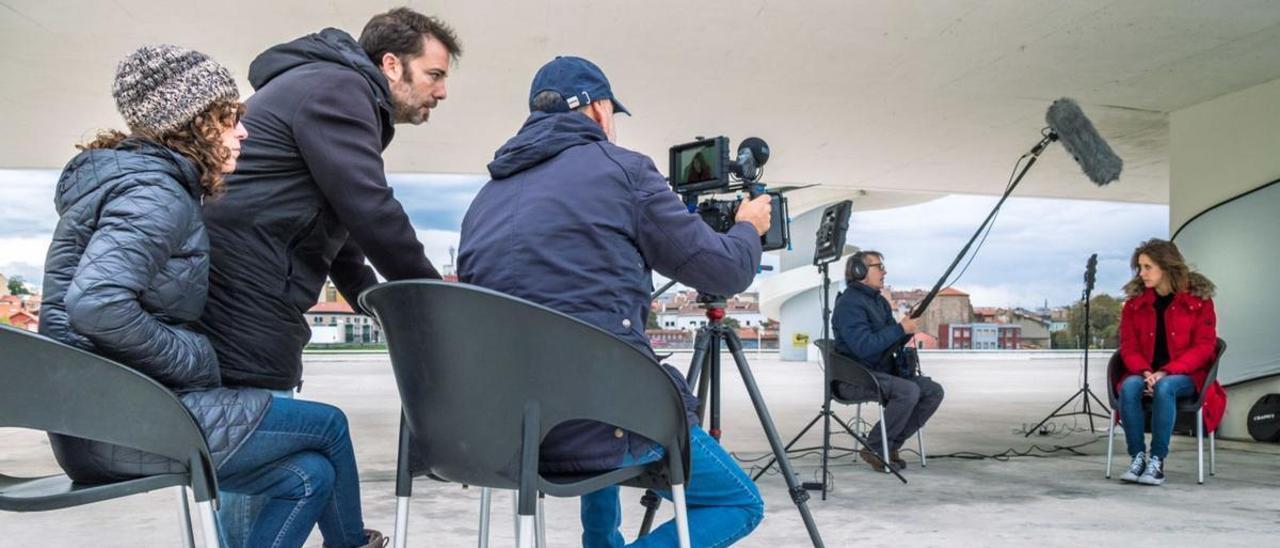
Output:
x,y
1136,468
1154,474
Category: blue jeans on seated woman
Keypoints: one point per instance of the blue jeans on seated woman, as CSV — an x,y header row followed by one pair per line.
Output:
x,y
301,462
1164,409
723,503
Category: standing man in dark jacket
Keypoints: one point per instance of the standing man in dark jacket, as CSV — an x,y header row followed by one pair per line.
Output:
x,y
576,223
311,199
865,329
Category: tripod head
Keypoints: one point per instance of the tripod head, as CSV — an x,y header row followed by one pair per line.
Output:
x,y
714,306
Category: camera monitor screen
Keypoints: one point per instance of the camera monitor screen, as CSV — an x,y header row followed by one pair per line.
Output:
x,y
700,165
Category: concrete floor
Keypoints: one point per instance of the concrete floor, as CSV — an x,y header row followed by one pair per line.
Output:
x,y
1059,500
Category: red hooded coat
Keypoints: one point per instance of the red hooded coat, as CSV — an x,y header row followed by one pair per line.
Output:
x,y
1191,329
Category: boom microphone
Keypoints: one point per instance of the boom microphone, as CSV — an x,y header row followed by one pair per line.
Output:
x,y
1082,141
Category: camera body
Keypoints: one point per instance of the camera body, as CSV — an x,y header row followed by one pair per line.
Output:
x,y
704,168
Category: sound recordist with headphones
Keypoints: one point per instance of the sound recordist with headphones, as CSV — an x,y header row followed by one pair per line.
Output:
x,y
866,331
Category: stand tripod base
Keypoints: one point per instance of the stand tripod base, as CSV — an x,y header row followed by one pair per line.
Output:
x,y
1085,395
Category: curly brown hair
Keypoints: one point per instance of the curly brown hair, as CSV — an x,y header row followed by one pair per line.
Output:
x,y
1166,256
199,140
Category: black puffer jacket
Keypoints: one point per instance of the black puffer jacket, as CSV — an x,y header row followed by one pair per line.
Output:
x,y
126,273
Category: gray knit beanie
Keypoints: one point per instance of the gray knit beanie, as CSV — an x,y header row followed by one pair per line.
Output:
x,y
161,88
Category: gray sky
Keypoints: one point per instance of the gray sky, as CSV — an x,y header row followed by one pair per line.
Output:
x,y
1036,251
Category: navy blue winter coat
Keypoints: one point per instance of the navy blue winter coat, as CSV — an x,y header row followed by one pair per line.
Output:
x,y
576,223
864,326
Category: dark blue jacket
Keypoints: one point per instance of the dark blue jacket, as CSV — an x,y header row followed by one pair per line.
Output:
x,y
575,223
864,326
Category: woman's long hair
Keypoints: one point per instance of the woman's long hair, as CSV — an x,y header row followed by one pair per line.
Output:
x,y
1166,256
200,140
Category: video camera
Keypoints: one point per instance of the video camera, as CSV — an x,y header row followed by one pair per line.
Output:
x,y
704,167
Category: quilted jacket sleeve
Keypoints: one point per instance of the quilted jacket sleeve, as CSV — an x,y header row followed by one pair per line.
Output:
x,y
137,232
1130,335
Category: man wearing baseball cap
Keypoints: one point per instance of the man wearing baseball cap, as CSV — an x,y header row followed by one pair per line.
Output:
x,y
572,221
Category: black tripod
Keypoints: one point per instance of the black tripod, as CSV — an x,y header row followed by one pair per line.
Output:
x,y
826,414
1084,393
704,368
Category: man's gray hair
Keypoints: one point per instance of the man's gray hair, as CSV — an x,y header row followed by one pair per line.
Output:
x,y
550,101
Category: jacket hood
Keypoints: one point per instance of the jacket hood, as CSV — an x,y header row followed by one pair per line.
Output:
x,y
1198,286
93,169
543,136
327,46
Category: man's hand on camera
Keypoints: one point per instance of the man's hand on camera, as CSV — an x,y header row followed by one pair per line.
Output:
x,y
908,324
757,212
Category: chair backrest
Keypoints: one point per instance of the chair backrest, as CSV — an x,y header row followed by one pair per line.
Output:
x,y
46,385
472,364
1116,372
846,369
1218,350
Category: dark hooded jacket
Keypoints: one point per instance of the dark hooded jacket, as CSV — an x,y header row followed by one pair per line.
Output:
x,y
575,223
309,199
125,278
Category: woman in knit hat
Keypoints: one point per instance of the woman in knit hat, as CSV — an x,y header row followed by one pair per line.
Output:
x,y
126,278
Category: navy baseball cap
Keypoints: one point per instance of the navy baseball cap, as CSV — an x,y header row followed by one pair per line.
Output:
x,y
576,79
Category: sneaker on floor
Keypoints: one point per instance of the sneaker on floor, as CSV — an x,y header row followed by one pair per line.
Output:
x,y
1136,468
1154,474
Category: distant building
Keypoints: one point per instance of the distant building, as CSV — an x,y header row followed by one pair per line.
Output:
x,y
4,286
1035,328
13,312
333,321
679,312
950,306
979,336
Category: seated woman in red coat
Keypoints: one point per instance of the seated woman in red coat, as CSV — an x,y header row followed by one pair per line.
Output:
x,y
1168,340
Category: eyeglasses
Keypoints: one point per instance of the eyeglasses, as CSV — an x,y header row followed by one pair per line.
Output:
x,y
876,265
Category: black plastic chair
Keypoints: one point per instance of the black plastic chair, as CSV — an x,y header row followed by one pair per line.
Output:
x,y
484,376
1186,406
49,386
862,387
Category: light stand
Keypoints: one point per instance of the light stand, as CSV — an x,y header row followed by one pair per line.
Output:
x,y
1084,393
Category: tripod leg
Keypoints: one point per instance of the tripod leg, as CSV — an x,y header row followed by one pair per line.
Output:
x,y
826,440
698,370
793,441
713,361
798,494
1036,428
650,502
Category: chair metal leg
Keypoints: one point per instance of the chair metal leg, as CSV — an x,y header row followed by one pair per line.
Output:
x,y
1111,444
515,512
1213,453
401,538
210,525
920,443
1200,446
542,522
524,531
184,517
682,516
486,496
884,440
857,424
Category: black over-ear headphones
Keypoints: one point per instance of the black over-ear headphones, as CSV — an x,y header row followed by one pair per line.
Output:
x,y
855,270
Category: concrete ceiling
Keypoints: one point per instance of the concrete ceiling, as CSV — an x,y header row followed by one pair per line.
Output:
x,y
891,97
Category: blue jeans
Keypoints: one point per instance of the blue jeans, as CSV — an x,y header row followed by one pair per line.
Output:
x,y
300,462
723,503
1164,409
237,512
